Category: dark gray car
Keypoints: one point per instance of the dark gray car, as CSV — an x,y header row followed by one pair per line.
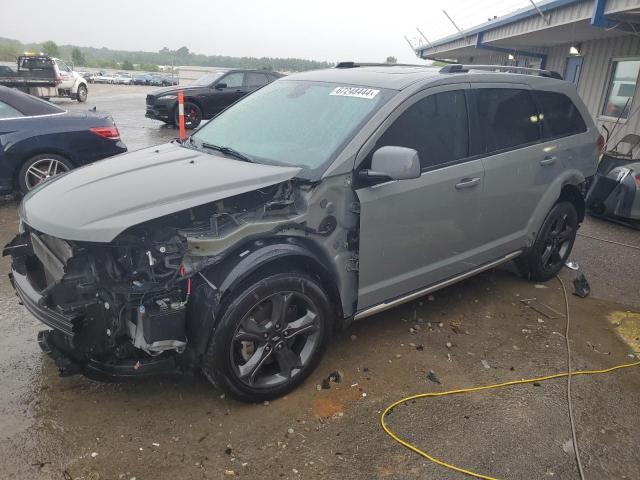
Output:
x,y
323,198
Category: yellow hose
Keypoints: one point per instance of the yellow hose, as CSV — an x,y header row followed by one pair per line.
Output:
x,y
470,473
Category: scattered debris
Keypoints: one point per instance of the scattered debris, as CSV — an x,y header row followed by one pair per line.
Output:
x,y
398,355
456,326
448,344
485,364
582,288
420,348
94,454
353,338
572,265
326,384
364,394
440,325
335,376
266,403
595,349
412,330
567,447
229,473
290,432
540,320
431,376
542,308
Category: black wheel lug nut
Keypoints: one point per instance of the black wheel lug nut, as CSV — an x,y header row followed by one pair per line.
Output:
x,y
277,325
266,335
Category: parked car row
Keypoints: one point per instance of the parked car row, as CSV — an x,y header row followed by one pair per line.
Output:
x,y
131,78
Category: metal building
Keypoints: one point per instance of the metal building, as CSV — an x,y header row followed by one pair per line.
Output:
x,y
594,43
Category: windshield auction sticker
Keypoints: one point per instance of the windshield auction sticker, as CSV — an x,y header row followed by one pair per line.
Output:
x,y
358,92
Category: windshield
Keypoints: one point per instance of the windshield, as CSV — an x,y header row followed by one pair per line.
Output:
x,y
294,123
208,79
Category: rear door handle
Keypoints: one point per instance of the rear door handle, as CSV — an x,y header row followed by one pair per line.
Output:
x,y
467,183
548,160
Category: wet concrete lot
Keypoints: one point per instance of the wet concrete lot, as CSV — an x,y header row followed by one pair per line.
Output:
x,y
180,427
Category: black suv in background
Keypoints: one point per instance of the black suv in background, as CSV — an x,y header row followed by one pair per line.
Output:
x,y
207,96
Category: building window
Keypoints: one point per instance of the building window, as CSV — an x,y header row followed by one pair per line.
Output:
x,y
621,88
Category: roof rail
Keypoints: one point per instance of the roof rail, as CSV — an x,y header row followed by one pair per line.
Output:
x,y
361,64
458,68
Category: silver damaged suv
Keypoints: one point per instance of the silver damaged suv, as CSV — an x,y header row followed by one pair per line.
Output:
x,y
324,197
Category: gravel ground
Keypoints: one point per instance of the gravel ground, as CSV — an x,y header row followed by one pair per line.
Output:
x,y
180,427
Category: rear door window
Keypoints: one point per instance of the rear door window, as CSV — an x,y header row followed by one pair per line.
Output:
x,y
560,116
255,80
435,126
507,118
233,80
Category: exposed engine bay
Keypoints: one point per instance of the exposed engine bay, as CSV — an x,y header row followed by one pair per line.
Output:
x,y
125,301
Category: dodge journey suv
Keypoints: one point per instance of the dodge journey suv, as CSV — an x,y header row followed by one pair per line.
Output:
x,y
322,198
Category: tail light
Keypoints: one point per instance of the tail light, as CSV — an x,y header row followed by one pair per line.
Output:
x,y
110,133
600,143
638,181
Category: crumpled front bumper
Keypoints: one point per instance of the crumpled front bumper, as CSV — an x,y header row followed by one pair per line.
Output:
x,y
33,301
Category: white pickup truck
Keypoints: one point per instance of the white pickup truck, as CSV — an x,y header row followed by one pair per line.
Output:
x,y
44,76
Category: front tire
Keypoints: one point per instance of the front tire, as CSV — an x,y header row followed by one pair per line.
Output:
x,y
553,244
192,115
39,169
270,337
82,93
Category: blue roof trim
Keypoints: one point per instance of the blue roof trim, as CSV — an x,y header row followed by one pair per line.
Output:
x,y
518,15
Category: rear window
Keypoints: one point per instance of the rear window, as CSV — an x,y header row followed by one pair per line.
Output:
x,y
7,111
560,116
506,118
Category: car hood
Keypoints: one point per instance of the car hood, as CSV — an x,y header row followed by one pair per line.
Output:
x,y
99,201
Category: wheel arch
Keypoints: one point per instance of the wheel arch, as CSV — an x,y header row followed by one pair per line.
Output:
x,y
190,99
250,262
566,186
573,194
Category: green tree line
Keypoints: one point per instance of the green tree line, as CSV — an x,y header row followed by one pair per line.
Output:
x,y
107,58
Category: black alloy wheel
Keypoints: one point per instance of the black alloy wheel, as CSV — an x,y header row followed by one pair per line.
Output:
x,y
270,337
554,242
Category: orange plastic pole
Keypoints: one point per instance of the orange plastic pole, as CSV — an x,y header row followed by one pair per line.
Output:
x,y
181,114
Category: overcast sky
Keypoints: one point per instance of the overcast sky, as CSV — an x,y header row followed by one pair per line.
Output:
x,y
321,30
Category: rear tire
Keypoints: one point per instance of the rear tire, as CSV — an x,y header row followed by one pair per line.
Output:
x,y
39,169
553,244
270,337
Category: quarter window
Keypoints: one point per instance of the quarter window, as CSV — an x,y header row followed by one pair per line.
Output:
x,y
506,118
621,88
436,126
7,111
560,117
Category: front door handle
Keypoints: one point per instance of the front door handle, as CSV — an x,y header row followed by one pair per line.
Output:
x,y
467,183
548,160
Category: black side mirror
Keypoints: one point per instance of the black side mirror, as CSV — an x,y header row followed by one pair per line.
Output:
x,y
221,86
